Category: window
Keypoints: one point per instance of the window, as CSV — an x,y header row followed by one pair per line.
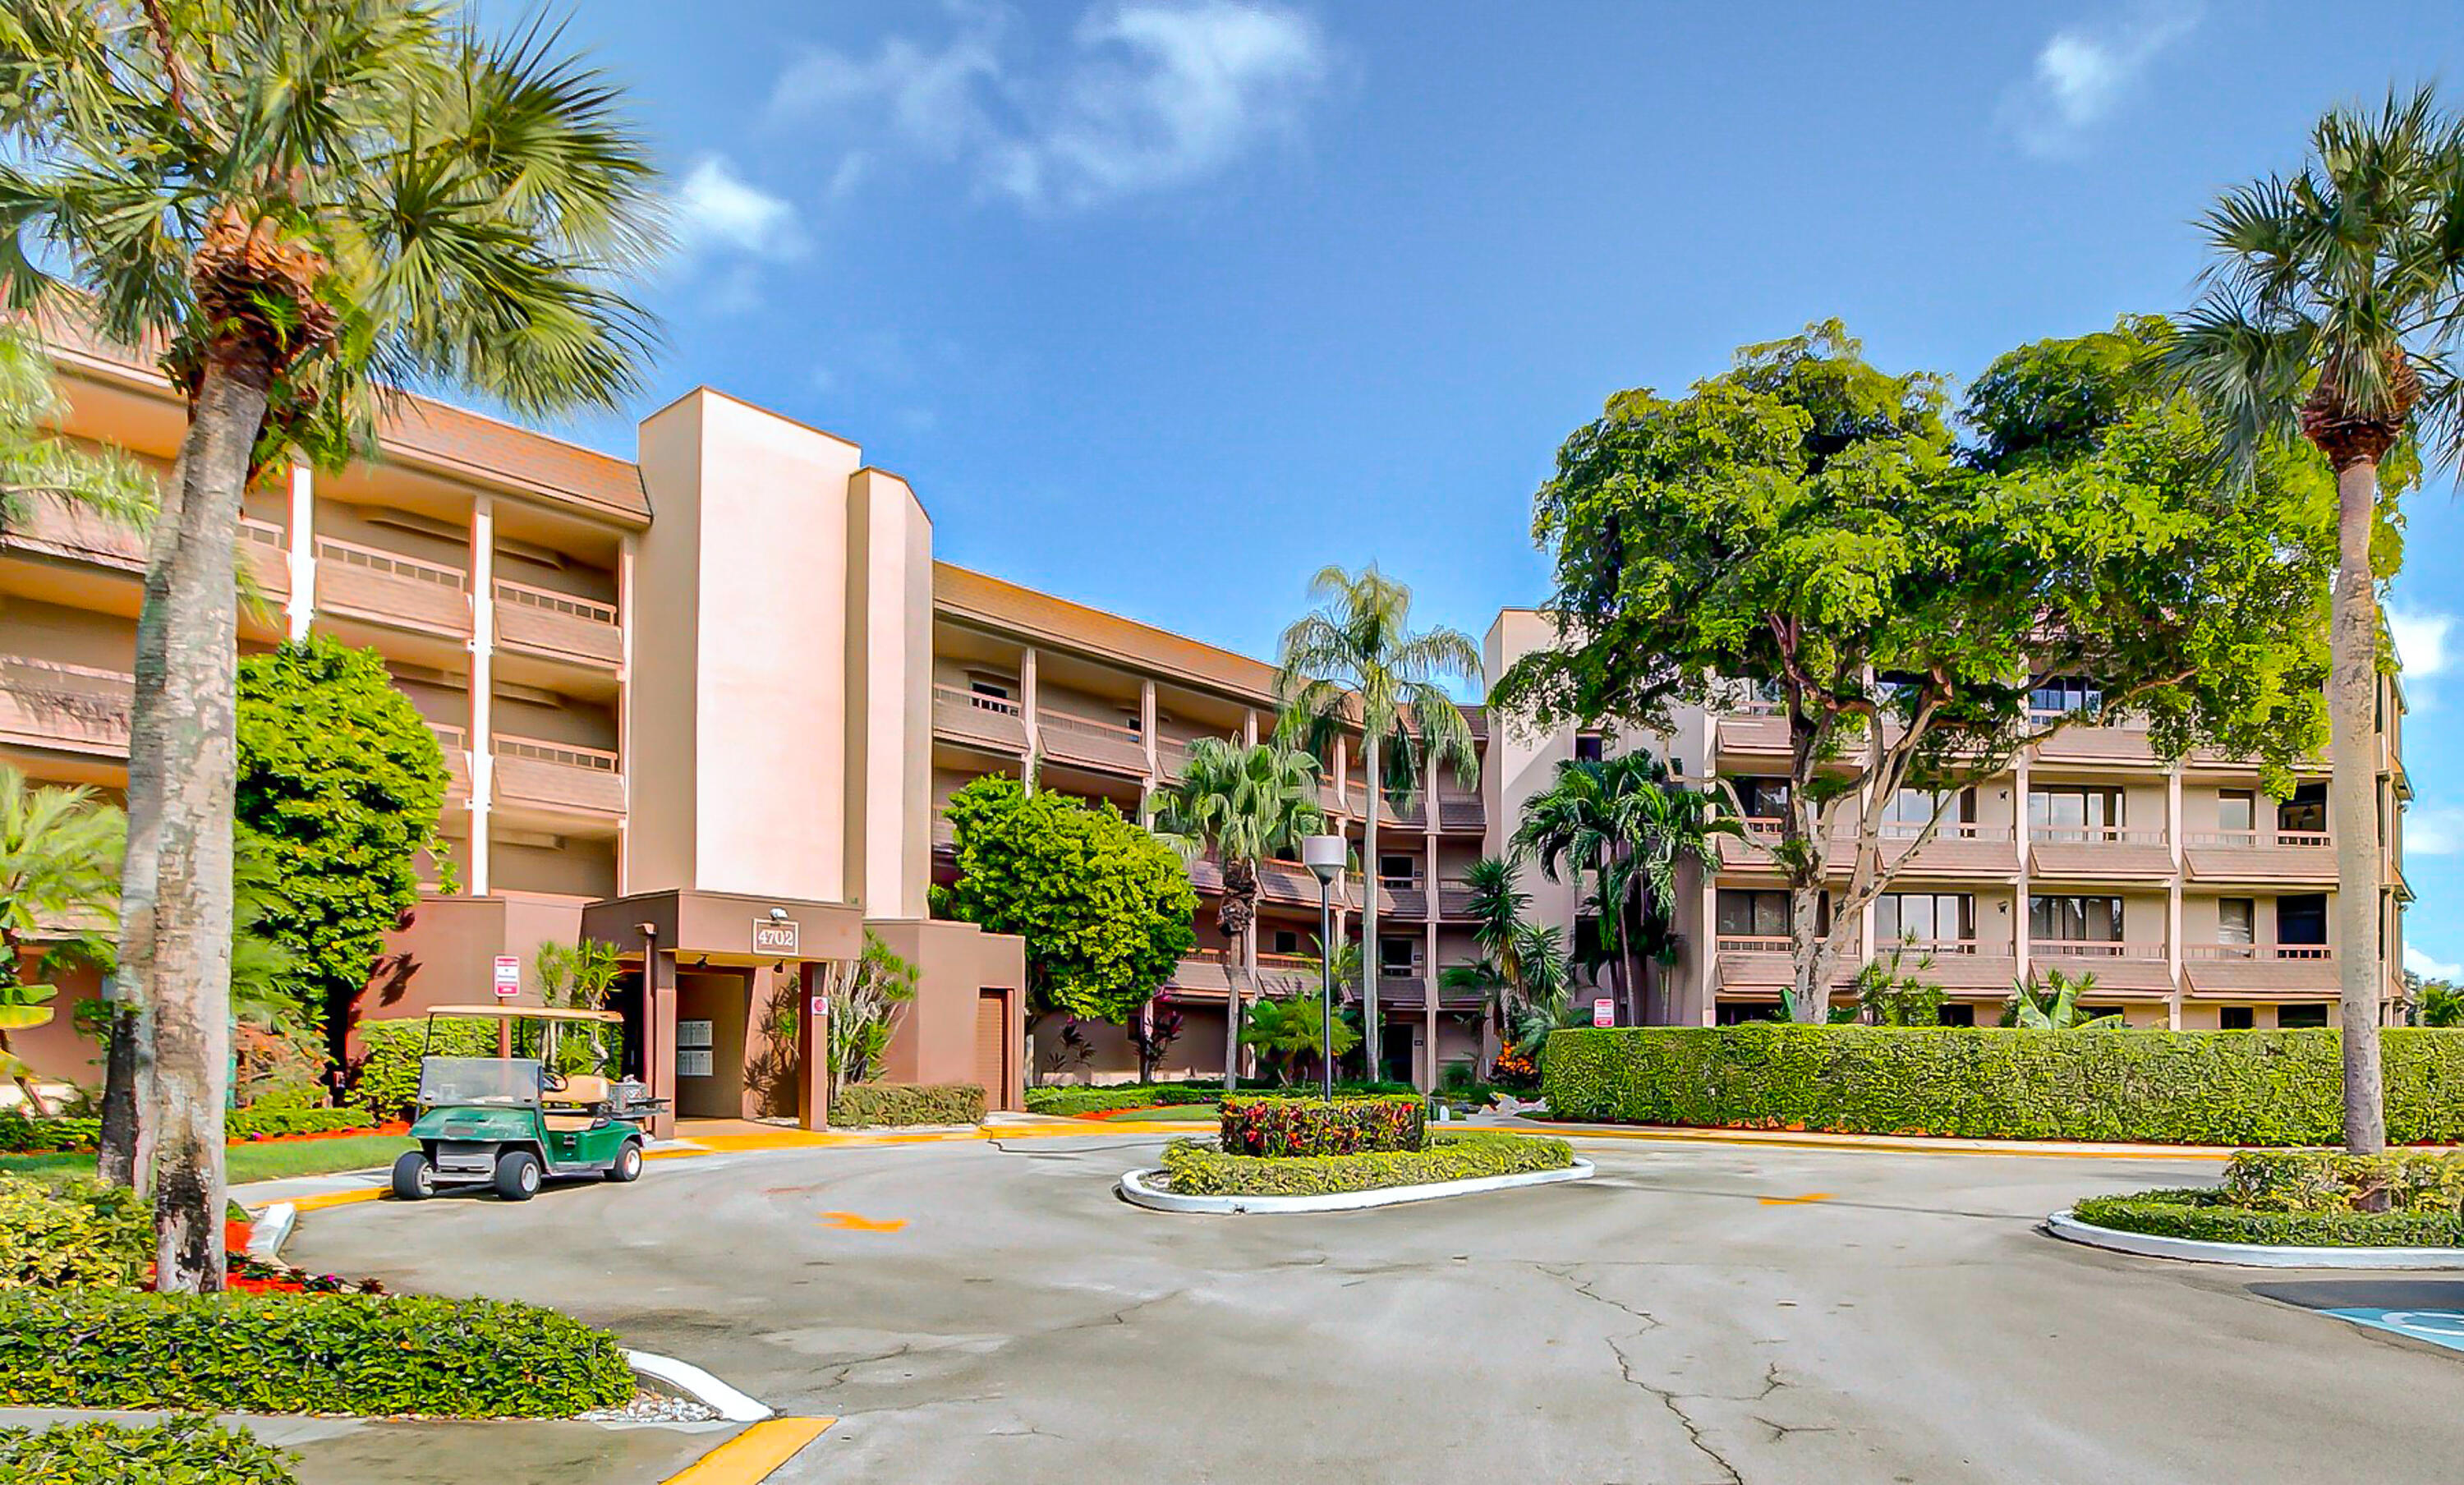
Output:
x,y
1397,959
1913,808
1587,947
2291,1016
1737,1013
2301,919
2066,693
1397,871
2306,811
1927,917
1954,1013
1752,915
1287,941
2235,1018
2236,921
2069,920
1763,799
2070,811
1589,746
2236,812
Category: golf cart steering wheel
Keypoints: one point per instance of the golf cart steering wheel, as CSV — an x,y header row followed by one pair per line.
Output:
x,y
551,1080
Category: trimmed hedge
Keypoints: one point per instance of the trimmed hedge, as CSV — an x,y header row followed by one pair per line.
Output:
x,y
1090,1098
1200,1169
255,1123
2199,1215
71,1235
2337,1181
23,1136
387,1080
876,1105
182,1452
20,1135
1285,1128
2261,1088
360,1354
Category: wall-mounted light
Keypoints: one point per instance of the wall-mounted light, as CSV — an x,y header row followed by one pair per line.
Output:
x,y
778,914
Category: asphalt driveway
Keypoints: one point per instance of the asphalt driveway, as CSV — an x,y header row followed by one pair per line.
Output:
x,y
990,1312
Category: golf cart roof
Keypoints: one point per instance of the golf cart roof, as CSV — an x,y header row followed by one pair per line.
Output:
x,y
525,1013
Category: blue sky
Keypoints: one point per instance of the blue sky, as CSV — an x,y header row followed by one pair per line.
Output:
x,y
1162,305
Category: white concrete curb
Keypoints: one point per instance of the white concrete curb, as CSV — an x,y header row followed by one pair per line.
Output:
x,y
1140,1189
269,1229
2255,1256
684,1376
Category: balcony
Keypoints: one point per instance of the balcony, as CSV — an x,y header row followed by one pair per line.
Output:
x,y
1067,737
2137,967
70,708
558,625
1462,812
1411,900
2100,851
558,776
1963,965
2260,970
2124,743
979,721
387,587
55,528
1764,962
1754,734
2264,856
455,742
1958,849
1454,897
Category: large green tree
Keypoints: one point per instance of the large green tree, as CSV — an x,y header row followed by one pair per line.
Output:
x,y
1806,526
2335,295
342,779
305,203
1356,666
1104,906
1239,803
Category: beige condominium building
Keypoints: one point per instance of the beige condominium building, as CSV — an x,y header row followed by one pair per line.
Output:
x,y
705,704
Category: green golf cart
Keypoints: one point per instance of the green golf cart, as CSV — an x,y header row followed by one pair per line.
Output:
x,y
513,1121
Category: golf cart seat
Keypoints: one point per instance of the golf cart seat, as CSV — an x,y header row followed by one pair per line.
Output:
x,y
577,1104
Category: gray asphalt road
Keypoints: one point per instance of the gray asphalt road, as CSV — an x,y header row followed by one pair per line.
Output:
x,y
1692,1314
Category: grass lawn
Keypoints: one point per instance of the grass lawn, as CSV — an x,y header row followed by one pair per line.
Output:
x,y
259,1160
1177,1112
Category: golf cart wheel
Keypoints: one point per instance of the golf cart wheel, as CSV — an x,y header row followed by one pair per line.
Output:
x,y
628,1162
415,1179
517,1175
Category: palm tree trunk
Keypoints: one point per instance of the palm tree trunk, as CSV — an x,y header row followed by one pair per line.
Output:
x,y
2353,812
1372,963
1239,910
175,951
116,1160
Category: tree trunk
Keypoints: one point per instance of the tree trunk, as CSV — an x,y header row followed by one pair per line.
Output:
x,y
176,924
1240,909
116,1160
2353,812
1809,995
1372,962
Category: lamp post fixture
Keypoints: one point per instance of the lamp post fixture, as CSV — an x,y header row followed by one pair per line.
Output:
x,y
1323,857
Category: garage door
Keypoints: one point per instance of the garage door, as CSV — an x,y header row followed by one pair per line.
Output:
x,y
993,1039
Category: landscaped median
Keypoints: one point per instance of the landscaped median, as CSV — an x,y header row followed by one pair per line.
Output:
x,y
2292,1208
177,1452
1295,1155
2130,1086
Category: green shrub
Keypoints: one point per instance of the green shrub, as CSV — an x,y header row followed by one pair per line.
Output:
x,y
262,1122
1086,1099
304,1353
2245,1088
72,1234
182,1452
20,1135
875,1105
387,1080
1200,1169
1283,1127
2200,1214
2336,1180
23,1136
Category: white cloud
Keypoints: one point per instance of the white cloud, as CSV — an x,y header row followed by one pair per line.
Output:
x,y
1153,94
2428,968
2084,72
717,209
2420,640
2433,831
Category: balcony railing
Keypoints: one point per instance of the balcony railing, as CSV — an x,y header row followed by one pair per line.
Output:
x,y
559,624
391,588
75,708
267,553
969,716
455,742
1454,897
2261,855
1091,741
2093,835
534,770
2300,969
1462,812
2262,840
2094,948
2212,952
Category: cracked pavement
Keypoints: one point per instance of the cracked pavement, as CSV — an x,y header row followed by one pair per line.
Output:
x,y
1660,1324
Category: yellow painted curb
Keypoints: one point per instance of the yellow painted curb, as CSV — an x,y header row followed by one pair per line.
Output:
x,y
325,1199
752,1455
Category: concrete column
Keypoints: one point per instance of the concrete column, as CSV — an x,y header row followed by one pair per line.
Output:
x,y
1250,726
2019,927
483,686
814,981
659,1035
1027,712
1147,729
301,611
626,554
2174,897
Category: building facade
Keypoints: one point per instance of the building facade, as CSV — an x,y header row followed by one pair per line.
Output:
x,y
684,694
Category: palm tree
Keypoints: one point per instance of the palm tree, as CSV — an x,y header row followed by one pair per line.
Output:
x,y
1621,819
2331,300
1239,803
303,203
59,868
1523,965
1355,661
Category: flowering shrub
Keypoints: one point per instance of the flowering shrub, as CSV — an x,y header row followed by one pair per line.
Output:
x,y
1279,1127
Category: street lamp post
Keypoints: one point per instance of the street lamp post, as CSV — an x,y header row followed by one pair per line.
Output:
x,y
1323,857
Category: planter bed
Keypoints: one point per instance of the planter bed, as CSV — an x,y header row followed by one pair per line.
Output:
x,y
2293,1208
1199,1177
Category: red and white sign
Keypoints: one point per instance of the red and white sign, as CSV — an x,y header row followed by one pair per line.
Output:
x,y
820,1008
1604,1012
509,977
